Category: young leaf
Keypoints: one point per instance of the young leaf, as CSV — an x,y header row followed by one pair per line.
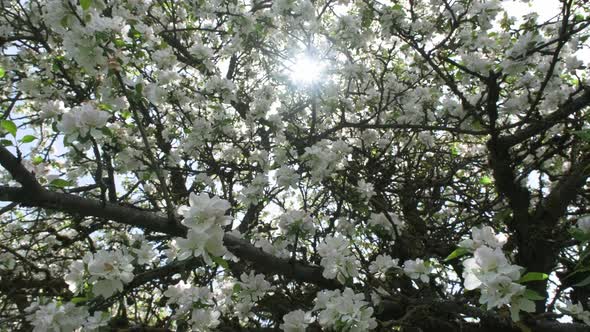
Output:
x,y
79,299
485,180
60,183
533,276
532,295
9,126
457,253
221,262
579,235
2,72
85,4
28,139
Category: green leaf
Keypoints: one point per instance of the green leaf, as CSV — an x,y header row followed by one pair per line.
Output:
x,y
454,149
79,299
485,180
221,262
532,295
533,276
37,160
105,107
85,4
579,235
583,134
60,183
2,72
9,126
457,253
237,288
6,142
583,283
28,139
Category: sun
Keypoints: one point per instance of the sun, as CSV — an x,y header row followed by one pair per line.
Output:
x,y
305,70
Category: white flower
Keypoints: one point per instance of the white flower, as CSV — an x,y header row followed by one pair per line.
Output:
x,y
577,311
93,323
296,321
296,223
176,292
145,253
254,286
484,236
337,260
418,269
346,310
277,248
107,287
109,270
52,109
365,189
520,303
205,210
75,277
186,296
253,192
286,177
83,120
381,264
499,291
204,320
201,242
485,265
56,317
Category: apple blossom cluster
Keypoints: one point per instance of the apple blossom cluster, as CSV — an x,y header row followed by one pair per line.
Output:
x,y
83,120
325,157
484,236
251,288
337,259
382,264
577,311
108,271
390,225
276,248
366,189
198,301
344,311
296,321
418,269
491,272
67,317
296,224
204,218
252,193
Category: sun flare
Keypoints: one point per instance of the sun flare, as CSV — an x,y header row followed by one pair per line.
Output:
x,y
305,70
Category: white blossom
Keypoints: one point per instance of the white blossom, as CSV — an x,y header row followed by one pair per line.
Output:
x,y
297,223
296,321
337,259
483,236
204,320
56,317
109,271
382,264
576,310
418,269
346,310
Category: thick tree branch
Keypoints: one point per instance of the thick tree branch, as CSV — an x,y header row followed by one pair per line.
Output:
x,y
538,126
